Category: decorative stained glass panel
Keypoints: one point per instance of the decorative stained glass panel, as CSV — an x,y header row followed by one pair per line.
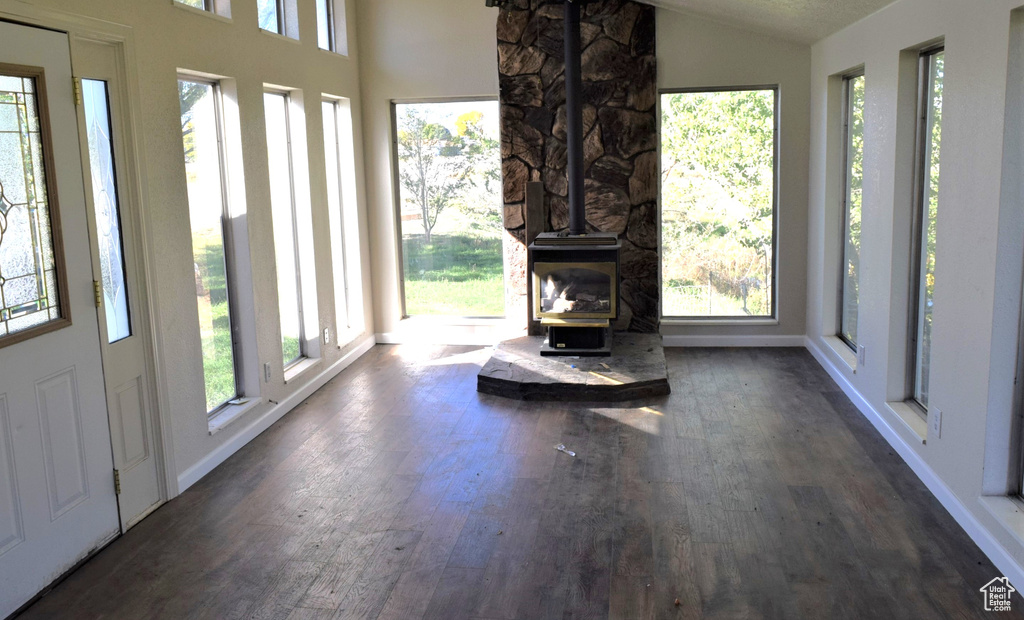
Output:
x,y
106,206
28,277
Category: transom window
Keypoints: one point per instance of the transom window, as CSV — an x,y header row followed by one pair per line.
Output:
x,y
32,283
718,154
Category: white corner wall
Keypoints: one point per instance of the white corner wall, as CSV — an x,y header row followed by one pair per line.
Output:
x,y
980,248
163,39
694,52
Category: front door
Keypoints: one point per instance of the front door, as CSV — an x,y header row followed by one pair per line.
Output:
x,y
57,500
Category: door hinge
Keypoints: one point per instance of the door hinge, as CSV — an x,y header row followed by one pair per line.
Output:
x,y
117,482
97,291
76,84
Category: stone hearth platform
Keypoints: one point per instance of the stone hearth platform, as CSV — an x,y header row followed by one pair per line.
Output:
x,y
636,369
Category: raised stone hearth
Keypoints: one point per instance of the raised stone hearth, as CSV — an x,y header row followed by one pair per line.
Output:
x,y
635,370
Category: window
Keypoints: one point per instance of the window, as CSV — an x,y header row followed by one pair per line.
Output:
x,y
32,284
853,199
325,24
107,209
286,243
339,157
207,204
216,7
449,181
271,15
929,141
718,151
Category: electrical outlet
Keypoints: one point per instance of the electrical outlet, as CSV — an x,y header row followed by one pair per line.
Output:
x,y
862,352
936,415
266,372
327,335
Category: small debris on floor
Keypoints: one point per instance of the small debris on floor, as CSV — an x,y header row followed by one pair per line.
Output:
x,y
500,532
678,602
561,448
606,366
399,548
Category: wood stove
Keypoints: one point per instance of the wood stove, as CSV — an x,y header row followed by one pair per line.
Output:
x,y
576,291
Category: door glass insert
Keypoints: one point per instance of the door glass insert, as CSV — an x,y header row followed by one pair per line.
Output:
x,y
583,290
28,273
107,209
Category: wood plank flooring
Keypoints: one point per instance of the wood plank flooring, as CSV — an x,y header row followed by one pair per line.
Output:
x,y
755,490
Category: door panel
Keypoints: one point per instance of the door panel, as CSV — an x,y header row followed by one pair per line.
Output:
x,y
51,383
10,505
122,318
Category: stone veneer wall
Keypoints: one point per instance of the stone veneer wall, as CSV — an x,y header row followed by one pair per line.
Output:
x,y
620,145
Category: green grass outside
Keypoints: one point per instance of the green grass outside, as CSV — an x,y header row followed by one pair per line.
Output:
x,y
454,275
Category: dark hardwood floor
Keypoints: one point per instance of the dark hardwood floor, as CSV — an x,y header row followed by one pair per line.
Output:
x,y
755,490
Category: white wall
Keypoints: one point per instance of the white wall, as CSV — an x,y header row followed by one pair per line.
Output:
x,y
979,248
166,38
694,52
413,50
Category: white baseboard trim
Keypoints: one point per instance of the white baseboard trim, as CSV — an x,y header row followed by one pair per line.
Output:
x,y
978,533
677,340
205,465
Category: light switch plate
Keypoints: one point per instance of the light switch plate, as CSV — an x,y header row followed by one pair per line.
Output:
x,y
862,352
327,335
936,415
266,372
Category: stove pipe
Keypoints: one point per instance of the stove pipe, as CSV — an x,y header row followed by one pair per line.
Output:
x,y
574,119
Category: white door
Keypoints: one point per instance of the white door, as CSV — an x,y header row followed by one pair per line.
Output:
x,y
57,499
113,219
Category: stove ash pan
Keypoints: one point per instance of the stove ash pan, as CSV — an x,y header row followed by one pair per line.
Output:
x,y
575,281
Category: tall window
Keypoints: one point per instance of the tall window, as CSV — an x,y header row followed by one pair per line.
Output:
x,y
271,15
286,245
853,199
107,209
198,4
449,176
929,141
201,132
718,203
339,159
325,24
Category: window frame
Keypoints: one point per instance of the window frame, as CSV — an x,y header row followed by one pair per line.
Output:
x,y
844,209
396,192
231,284
335,107
296,242
279,11
776,131
919,217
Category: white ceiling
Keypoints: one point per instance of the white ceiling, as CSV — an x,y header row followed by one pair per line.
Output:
x,y
805,21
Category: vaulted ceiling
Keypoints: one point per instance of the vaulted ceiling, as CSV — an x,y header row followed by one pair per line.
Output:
x,y
805,21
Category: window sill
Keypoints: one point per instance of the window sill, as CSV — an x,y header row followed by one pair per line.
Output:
x,y
278,35
911,418
717,320
333,53
296,369
203,12
1008,511
842,351
228,414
